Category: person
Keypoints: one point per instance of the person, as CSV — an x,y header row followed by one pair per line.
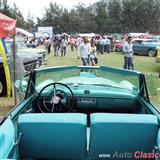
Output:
x,y
72,43
128,54
56,46
48,45
108,45
79,40
64,44
93,56
84,51
102,43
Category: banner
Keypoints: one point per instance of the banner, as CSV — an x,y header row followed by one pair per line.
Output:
x,y
6,64
46,31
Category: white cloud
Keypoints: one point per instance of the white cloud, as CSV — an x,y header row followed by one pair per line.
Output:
x,y
36,7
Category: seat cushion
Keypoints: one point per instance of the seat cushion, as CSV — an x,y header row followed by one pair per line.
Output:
x,y
53,135
112,134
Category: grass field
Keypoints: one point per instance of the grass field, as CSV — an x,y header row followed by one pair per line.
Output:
x,y
143,64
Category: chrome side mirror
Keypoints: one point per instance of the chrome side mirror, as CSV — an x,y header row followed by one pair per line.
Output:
x,y
21,85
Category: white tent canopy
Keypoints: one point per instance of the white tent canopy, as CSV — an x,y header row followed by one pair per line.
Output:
x,y
137,34
24,32
89,35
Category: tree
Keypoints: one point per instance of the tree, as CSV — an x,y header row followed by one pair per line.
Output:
x,y
30,23
84,19
114,13
101,17
17,14
6,10
140,16
52,17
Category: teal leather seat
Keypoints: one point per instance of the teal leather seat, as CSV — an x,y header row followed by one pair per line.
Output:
x,y
112,135
56,136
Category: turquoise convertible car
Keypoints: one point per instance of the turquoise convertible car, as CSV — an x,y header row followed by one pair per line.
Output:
x,y
81,113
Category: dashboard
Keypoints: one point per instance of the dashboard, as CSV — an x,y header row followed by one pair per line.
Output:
x,y
99,98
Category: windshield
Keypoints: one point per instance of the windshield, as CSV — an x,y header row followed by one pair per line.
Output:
x,y
91,76
21,45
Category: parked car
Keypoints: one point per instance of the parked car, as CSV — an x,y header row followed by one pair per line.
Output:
x,y
30,61
81,113
23,53
157,37
118,46
145,47
21,47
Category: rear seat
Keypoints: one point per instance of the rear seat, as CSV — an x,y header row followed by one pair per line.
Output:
x,y
113,134
53,136
63,136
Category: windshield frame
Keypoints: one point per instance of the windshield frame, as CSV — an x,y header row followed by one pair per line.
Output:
x,y
101,68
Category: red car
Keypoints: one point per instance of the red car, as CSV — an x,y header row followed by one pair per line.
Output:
x,y
118,46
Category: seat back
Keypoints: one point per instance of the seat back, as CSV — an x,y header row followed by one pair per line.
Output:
x,y
53,136
113,135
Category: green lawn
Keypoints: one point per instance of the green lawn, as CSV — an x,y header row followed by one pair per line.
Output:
x,y
6,105
142,63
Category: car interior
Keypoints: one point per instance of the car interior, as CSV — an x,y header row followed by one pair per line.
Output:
x,y
83,127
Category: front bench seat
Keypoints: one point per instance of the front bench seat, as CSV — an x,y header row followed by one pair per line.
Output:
x,y
113,134
57,136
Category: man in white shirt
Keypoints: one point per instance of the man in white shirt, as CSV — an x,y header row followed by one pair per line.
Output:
x,y
63,45
84,51
128,54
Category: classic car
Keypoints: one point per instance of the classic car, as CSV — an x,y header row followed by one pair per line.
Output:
x,y
23,49
32,58
30,62
79,113
157,37
145,47
118,46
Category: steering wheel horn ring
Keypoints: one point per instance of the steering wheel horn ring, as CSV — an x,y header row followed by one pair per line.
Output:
x,y
55,100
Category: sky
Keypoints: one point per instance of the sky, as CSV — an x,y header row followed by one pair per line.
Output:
x,y
36,7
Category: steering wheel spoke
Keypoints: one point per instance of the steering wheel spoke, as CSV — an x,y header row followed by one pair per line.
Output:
x,y
53,106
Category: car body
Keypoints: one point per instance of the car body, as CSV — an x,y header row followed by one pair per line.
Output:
x,y
118,46
81,112
145,47
30,62
23,49
157,37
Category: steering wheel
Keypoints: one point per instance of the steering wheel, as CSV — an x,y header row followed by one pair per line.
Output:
x,y
54,103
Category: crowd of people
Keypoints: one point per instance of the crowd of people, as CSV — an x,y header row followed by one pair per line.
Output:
x,y
86,48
